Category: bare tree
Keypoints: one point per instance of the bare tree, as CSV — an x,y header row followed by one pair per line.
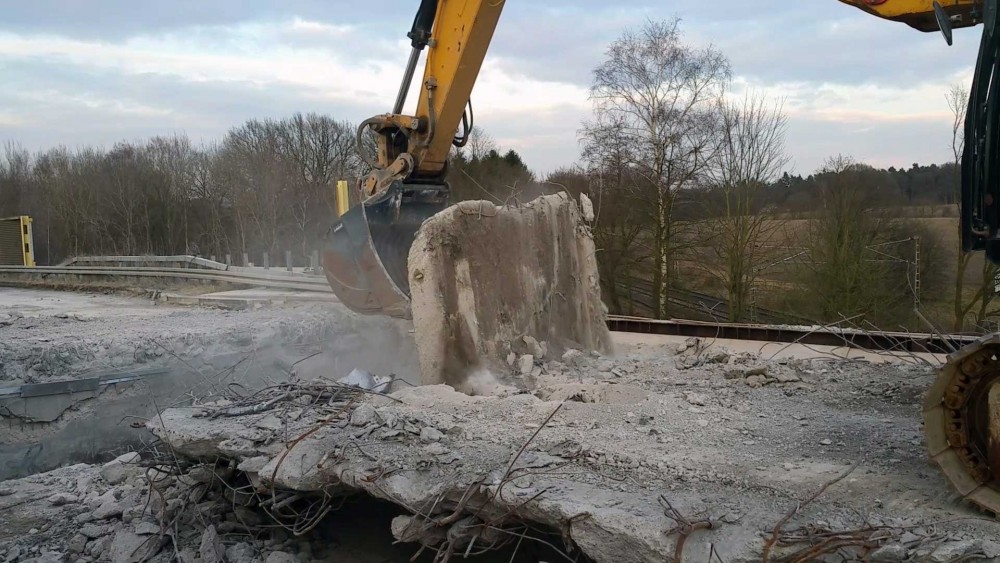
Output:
x,y
848,272
321,151
751,155
660,94
607,152
480,144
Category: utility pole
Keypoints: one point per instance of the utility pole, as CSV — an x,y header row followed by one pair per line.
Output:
x,y
916,272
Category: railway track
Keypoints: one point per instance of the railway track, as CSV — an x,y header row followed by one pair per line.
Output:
x,y
877,341
698,304
772,331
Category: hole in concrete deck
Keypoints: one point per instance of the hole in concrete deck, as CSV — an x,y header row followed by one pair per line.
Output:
x,y
345,526
360,533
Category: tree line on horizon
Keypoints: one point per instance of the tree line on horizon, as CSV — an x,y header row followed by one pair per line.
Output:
x,y
688,180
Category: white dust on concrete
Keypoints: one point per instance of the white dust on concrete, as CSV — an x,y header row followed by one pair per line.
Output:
x,y
50,335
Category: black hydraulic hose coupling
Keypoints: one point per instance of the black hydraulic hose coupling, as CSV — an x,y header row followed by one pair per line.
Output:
x,y
420,35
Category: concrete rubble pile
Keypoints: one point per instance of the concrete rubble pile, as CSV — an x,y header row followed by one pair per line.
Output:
x,y
662,450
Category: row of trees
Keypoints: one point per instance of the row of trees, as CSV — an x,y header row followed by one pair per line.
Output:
x,y
267,186
931,185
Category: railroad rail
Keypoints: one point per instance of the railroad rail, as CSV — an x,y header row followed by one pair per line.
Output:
x,y
878,341
642,293
198,269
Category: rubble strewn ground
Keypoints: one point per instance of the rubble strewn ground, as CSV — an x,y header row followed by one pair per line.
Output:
x,y
607,459
51,335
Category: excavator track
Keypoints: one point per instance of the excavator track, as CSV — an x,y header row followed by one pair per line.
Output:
x,y
962,422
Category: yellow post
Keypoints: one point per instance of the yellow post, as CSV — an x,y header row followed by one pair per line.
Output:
x,y
27,245
16,246
343,198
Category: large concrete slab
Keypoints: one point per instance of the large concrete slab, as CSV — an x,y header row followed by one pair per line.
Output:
x,y
600,448
483,277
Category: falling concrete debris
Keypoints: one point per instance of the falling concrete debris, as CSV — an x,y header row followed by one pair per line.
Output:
x,y
488,280
364,380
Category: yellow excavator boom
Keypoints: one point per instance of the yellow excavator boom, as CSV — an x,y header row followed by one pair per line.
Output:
x,y
920,14
462,34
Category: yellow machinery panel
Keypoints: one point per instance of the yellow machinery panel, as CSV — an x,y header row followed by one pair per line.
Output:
x,y
343,198
920,13
16,244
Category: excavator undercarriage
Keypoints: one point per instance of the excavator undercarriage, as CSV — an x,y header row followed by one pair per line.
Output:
x,y
962,422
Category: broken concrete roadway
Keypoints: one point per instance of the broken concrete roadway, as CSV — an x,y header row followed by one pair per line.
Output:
x,y
718,444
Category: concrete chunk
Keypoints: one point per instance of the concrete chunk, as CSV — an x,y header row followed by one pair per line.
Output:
x,y
211,549
127,547
118,469
526,364
479,280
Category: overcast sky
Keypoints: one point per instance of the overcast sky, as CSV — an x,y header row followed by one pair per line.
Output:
x,y
81,72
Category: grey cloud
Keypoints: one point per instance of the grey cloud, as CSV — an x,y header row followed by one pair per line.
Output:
x,y
202,110
115,19
899,144
798,41
559,40
118,19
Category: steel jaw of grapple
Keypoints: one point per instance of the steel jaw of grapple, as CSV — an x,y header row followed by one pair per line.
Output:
x,y
365,260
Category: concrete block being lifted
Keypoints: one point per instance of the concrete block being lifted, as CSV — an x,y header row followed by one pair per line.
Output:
x,y
484,277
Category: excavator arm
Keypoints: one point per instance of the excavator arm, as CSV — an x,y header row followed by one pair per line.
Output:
x,y
456,34
366,261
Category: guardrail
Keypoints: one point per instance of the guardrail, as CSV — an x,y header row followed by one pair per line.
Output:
x,y
197,269
179,259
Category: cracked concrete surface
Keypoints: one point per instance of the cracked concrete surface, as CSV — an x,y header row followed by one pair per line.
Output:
x,y
705,436
727,435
